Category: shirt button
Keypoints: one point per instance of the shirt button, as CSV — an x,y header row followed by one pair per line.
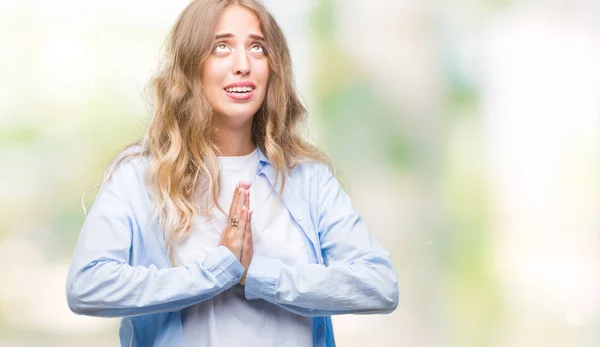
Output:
x,y
300,218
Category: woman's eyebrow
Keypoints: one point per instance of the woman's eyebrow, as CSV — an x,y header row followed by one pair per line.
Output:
x,y
230,35
257,37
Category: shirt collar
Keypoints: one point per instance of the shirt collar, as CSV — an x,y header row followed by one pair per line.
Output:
x,y
262,158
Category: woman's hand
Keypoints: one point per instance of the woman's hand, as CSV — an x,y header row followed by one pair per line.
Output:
x,y
233,236
247,249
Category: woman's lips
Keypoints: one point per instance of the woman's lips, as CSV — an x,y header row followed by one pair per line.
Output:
x,y
240,96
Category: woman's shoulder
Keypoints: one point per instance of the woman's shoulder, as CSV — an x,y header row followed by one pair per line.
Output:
x,y
129,166
311,169
123,187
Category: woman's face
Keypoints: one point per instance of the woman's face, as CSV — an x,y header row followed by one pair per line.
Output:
x,y
235,75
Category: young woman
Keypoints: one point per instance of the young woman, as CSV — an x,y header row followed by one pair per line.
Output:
x,y
225,227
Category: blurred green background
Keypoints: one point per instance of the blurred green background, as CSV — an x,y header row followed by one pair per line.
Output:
x,y
467,133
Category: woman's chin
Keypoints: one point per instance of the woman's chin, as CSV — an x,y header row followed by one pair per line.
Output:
x,y
237,116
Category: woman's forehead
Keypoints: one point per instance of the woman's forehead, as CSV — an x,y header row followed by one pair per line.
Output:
x,y
238,21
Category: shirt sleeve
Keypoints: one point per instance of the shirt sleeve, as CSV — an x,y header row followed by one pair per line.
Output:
x,y
101,281
357,275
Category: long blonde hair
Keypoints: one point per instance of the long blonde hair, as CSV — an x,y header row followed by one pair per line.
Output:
x,y
180,138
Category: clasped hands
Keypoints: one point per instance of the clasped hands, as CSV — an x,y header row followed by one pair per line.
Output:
x,y
237,235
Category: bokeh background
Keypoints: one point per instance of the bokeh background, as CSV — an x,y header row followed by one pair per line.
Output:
x,y
467,133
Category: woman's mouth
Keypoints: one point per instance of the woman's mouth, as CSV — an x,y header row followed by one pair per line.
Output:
x,y
240,93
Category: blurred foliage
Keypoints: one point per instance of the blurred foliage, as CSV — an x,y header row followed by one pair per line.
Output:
x,y
355,119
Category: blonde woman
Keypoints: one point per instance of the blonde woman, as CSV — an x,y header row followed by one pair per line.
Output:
x,y
225,226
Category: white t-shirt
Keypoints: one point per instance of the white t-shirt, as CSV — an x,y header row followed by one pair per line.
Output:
x,y
228,319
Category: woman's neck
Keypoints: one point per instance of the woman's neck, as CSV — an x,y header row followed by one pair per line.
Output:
x,y
233,143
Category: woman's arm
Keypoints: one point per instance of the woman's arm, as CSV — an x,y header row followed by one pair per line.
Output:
x,y
357,276
102,283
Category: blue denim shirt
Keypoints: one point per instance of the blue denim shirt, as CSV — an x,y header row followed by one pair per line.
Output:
x,y
120,267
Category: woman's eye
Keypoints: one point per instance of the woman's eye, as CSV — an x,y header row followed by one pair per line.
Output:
x,y
257,48
222,48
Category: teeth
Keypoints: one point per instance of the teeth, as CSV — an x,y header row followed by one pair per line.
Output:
x,y
239,89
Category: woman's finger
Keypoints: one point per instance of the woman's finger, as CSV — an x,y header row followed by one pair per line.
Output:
x,y
248,247
241,228
248,235
246,186
237,212
234,200
237,208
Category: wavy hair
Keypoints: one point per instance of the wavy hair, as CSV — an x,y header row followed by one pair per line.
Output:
x,y
180,139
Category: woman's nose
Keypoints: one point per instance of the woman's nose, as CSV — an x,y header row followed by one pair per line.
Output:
x,y
241,64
